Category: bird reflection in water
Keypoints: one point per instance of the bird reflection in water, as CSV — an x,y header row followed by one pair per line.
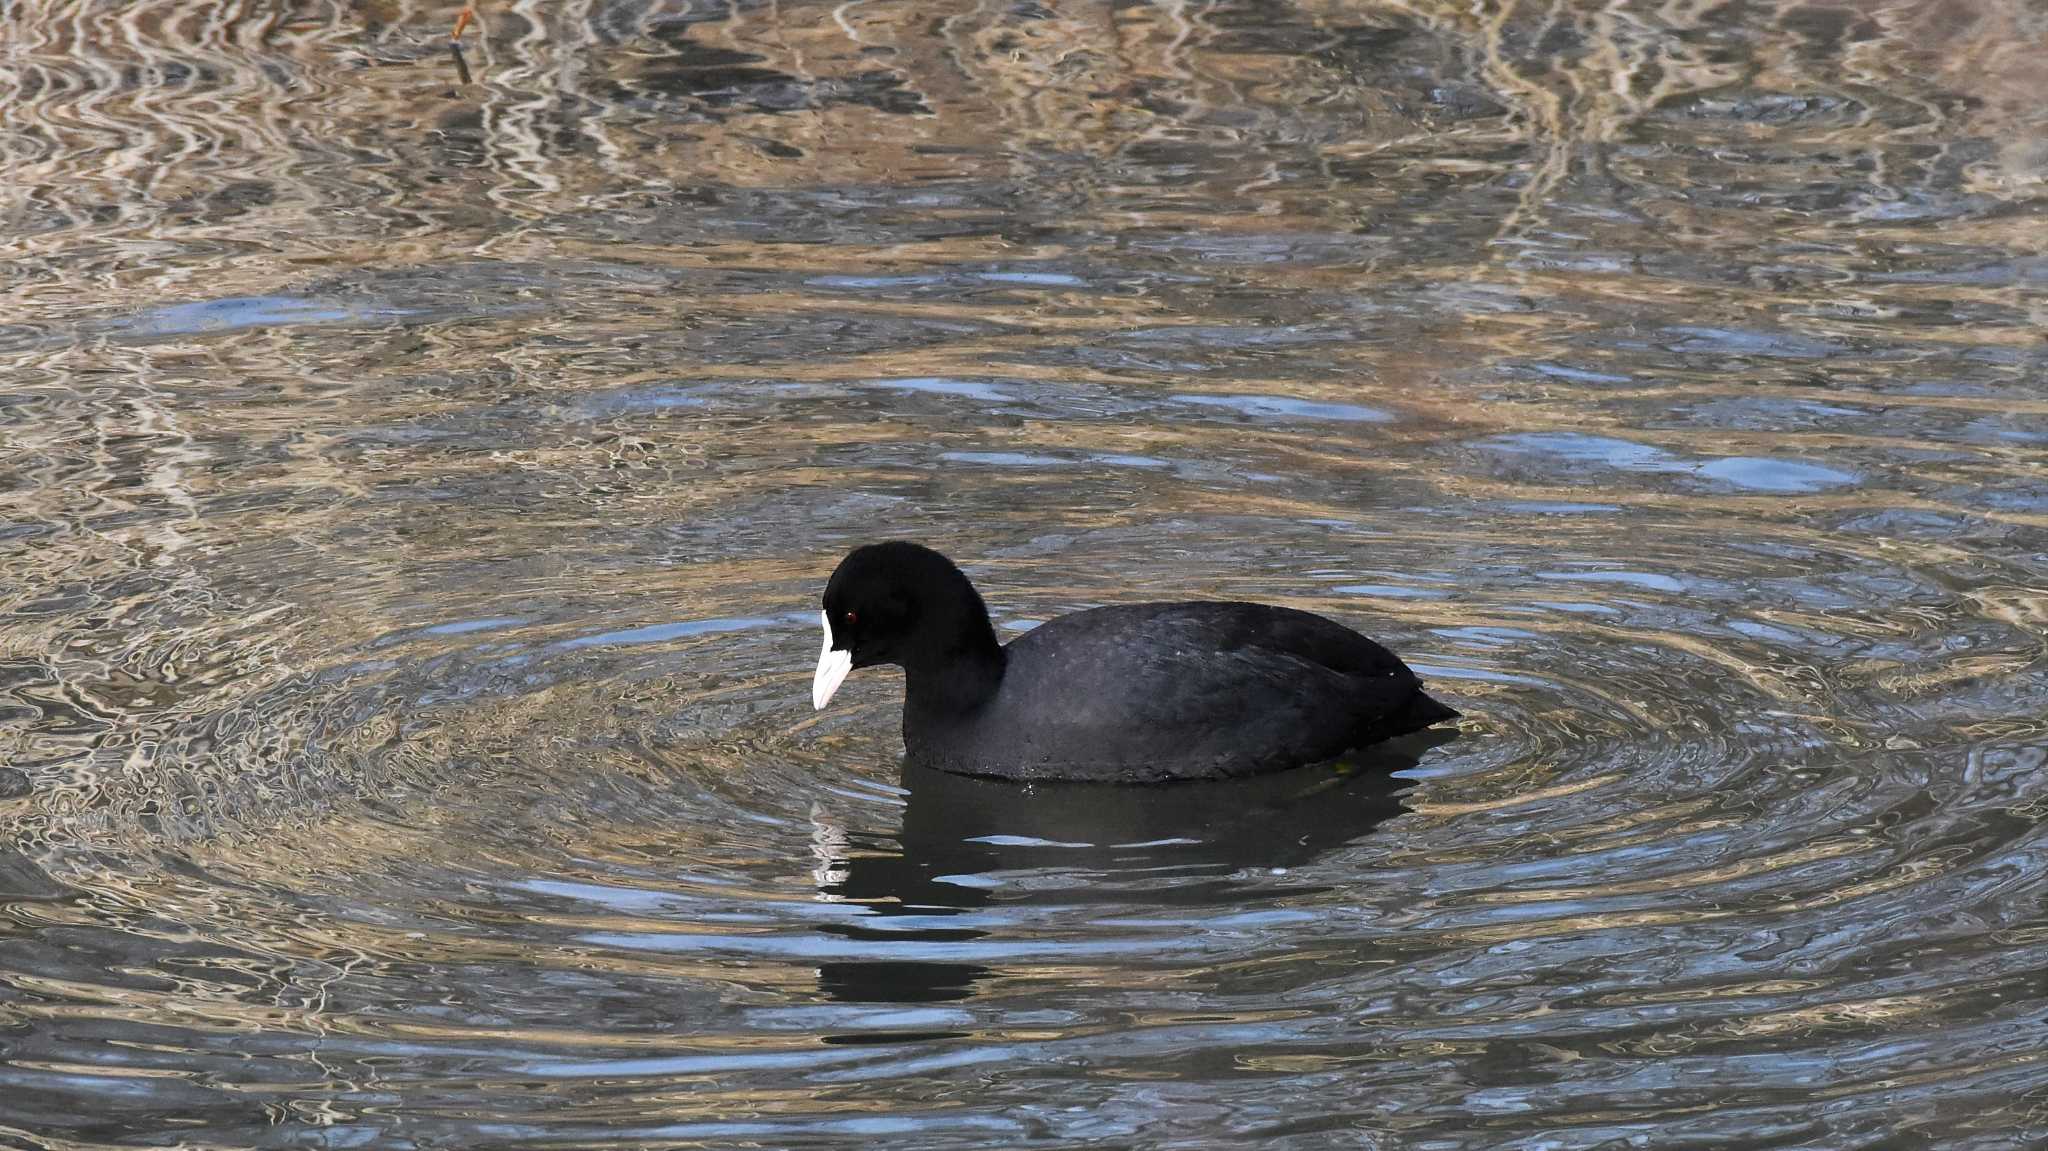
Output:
x,y
969,845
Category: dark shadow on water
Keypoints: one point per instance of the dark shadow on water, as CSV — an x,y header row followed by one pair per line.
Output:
x,y
898,981
22,880
965,843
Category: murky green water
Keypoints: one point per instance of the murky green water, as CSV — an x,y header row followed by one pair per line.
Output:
x,y
415,502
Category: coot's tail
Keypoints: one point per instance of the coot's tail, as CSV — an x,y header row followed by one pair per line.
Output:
x,y
1417,713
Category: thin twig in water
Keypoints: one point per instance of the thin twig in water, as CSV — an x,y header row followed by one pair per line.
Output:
x,y
462,20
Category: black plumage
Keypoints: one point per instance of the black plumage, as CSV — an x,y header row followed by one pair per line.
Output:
x,y
1128,694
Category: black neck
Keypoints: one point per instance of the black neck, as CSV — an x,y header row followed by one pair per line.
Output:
x,y
959,679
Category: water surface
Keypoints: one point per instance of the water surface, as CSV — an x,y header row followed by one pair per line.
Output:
x,y
416,498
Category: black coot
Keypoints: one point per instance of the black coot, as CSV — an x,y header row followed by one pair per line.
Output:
x,y
1136,694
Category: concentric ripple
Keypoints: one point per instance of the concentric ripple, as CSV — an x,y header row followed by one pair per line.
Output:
x,y
417,497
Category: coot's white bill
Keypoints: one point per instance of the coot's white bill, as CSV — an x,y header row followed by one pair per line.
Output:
x,y
832,667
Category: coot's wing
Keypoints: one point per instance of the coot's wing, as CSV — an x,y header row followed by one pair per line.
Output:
x,y
1267,631
1200,688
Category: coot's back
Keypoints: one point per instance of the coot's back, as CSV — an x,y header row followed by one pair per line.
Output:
x,y
1160,691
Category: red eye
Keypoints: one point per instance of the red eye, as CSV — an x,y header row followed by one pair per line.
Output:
x,y
852,618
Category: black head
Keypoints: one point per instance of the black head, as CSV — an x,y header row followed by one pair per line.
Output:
x,y
905,604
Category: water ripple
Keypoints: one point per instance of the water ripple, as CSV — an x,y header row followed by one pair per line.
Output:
x,y
417,497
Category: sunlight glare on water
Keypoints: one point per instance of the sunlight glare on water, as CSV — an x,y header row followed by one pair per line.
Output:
x,y
417,498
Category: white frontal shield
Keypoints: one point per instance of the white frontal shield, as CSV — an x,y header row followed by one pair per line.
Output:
x,y
832,667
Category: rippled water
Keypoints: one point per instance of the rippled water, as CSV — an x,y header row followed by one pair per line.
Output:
x,y
416,498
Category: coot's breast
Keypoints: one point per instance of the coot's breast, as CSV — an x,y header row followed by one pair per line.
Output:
x,y
1174,691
